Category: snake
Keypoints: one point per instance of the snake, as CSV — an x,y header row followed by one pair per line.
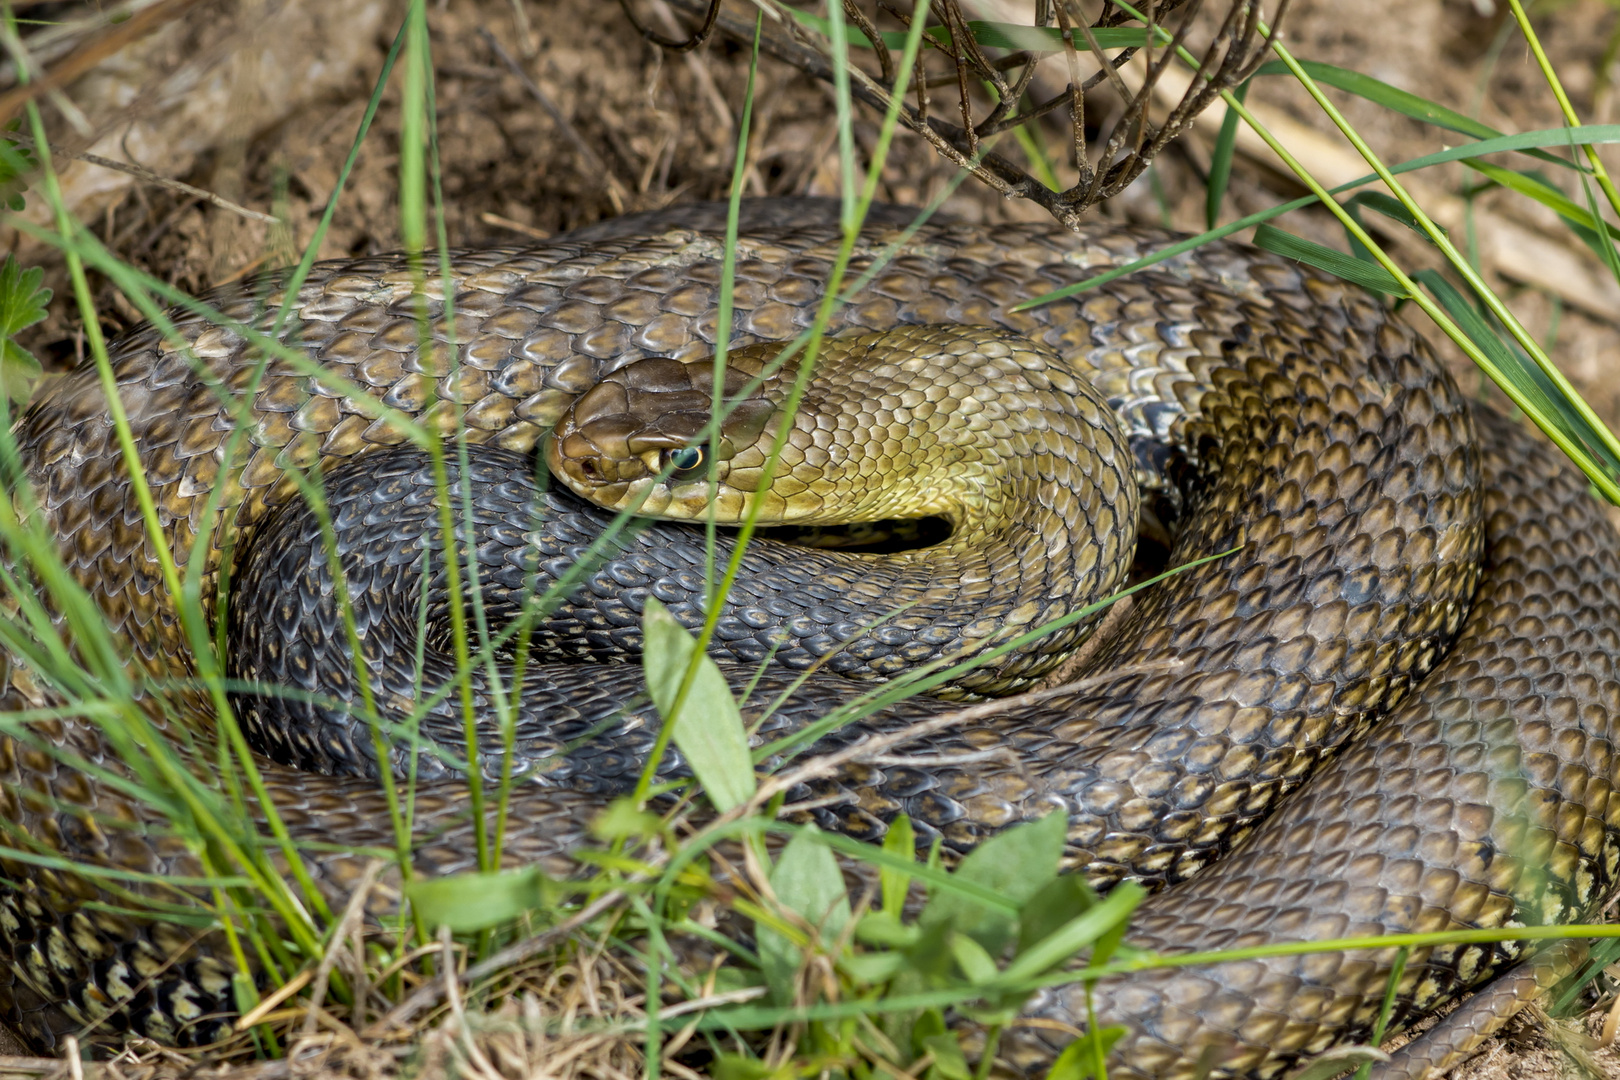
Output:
x,y
1377,694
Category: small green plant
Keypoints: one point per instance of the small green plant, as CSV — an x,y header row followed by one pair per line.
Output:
x,y
22,304
979,937
17,160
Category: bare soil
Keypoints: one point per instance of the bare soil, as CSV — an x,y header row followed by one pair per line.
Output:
x,y
258,101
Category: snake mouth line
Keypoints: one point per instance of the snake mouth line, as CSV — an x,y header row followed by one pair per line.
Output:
x,y
887,536
891,536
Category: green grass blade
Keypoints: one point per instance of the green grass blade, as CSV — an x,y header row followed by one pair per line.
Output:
x,y
837,34
1393,98
1400,101
1348,267
1550,73
1536,188
808,882
1523,380
472,902
235,847
1049,39
1595,135
1388,1007
1604,480
1586,222
1077,934
1220,161
312,250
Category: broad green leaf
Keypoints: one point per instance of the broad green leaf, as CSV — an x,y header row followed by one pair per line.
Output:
x,y
927,965
928,960
621,820
930,1023
709,729
1078,1061
870,969
1058,901
467,902
901,842
1337,263
22,304
1101,928
730,978
976,964
949,1061
19,372
806,880
16,162
1016,864
739,1067
22,300
883,929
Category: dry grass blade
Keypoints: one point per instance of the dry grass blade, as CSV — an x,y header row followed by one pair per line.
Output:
x,y
431,994
347,925
868,749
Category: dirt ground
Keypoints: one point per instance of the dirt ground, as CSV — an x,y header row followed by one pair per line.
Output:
x,y
257,101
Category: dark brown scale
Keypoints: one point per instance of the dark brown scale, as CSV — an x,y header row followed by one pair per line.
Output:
x,y
1277,412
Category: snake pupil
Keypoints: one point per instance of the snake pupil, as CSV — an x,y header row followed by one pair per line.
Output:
x,y
683,462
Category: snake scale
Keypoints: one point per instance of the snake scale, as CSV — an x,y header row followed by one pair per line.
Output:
x,y
1418,629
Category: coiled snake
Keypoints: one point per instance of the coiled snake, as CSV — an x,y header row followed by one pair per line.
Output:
x,y
1418,627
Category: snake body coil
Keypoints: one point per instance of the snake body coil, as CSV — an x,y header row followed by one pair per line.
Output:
x,y
1422,597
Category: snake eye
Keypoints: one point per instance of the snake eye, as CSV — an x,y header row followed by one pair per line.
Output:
x,y
683,463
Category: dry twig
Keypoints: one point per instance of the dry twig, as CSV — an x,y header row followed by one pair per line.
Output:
x,y
957,57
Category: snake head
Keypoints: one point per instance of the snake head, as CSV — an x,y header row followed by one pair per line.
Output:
x,y
639,431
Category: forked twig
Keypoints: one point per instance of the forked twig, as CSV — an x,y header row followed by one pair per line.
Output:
x,y
961,59
699,36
